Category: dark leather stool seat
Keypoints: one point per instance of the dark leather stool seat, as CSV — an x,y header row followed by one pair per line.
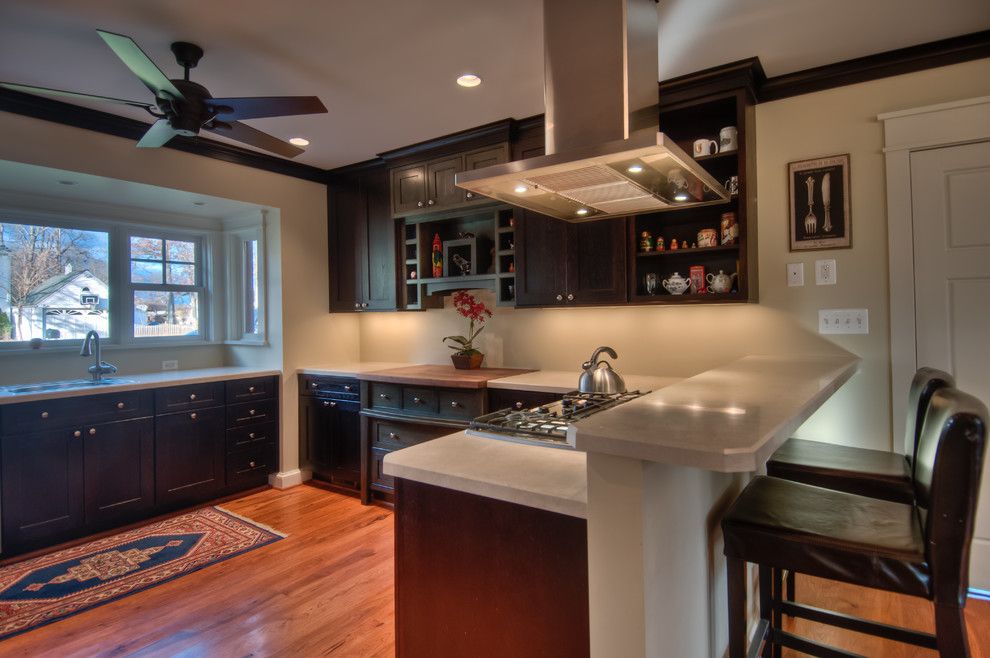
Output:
x,y
920,549
830,534
874,473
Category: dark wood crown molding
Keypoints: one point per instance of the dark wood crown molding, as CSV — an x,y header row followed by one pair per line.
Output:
x,y
497,131
744,74
77,116
872,67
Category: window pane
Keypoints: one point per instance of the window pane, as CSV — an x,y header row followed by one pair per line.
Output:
x,y
145,272
53,282
181,275
147,248
183,252
251,284
165,314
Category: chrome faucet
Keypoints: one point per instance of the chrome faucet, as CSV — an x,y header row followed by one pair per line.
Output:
x,y
101,367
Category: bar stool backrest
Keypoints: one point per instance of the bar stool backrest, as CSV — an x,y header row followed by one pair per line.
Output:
x,y
951,447
925,382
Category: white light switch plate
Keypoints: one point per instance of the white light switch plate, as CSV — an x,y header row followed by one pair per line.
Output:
x,y
844,321
825,272
795,274
170,365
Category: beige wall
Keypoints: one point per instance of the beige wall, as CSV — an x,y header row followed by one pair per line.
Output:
x,y
300,329
684,341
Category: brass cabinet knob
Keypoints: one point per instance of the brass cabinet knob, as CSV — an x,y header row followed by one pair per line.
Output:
x,y
357,304
92,431
385,396
455,404
364,304
251,412
313,385
193,415
560,298
570,297
251,435
120,405
430,202
44,414
251,464
519,405
250,389
347,388
393,435
417,400
419,204
77,434
333,404
469,195
326,404
192,396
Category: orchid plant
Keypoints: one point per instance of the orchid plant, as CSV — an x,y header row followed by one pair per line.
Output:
x,y
475,311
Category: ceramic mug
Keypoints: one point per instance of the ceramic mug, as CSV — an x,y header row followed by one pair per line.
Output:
x,y
728,139
707,237
704,147
732,185
651,283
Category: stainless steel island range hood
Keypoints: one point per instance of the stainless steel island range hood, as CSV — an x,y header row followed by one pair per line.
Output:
x,y
605,155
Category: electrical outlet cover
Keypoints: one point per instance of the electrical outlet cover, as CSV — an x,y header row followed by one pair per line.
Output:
x,y
172,364
825,272
844,321
795,274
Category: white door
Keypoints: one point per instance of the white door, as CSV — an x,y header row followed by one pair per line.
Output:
x,y
950,189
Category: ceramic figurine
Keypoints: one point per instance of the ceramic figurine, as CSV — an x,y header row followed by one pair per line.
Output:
x,y
659,246
673,245
437,256
645,241
694,245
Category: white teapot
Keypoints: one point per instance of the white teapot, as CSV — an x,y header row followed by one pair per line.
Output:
x,y
720,282
676,284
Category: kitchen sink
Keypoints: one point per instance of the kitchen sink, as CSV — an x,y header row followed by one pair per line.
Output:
x,y
45,387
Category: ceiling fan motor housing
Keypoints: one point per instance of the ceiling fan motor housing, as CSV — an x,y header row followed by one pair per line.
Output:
x,y
187,116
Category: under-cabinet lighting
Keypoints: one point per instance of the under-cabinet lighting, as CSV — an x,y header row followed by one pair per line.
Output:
x,y
469,80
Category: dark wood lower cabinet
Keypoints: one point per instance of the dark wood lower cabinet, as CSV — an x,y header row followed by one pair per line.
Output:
x,y
119,471
189,455
484,578
331,431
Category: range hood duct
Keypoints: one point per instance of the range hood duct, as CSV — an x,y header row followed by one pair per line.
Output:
x,y
605,156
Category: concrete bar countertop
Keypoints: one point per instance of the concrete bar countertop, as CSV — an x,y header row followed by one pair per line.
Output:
x,y
728,419
565,381
352,369
120,383
551,479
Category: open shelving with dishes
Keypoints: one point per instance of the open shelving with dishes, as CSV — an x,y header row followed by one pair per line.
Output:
x,y
471,248
712,239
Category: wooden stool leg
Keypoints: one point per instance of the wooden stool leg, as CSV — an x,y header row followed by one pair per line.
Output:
x,y
768,577
790,585
778,618
950,631
736,569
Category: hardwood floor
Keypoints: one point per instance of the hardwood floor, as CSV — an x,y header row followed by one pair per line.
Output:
x,y
326,590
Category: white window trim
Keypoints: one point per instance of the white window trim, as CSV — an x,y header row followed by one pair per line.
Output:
x,y
234,259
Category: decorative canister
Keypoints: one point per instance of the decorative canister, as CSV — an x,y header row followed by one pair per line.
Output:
x,y
707,237
697,278
730,230
645,241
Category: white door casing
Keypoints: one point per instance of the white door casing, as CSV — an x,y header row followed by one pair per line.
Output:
x,y
938,198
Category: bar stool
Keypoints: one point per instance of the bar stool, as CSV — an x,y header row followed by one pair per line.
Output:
x,y
920,550
873,473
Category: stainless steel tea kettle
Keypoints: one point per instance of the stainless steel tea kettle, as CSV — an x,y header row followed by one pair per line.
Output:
x,y
598,376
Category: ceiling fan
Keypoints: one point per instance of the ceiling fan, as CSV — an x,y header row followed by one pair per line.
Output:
x,y
184,107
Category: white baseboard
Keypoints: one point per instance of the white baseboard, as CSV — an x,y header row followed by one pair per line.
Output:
x,y
979,564
286,479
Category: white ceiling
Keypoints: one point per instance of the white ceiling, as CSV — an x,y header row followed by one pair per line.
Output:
x,y
386,69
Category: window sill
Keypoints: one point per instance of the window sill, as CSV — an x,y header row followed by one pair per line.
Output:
x,y
106,347
247,343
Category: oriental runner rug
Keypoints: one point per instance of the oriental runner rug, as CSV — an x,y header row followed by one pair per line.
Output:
x,y
50,587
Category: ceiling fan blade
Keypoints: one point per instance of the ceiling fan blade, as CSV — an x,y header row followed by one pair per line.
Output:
x,y
158,135
141,65
71,94
233,109
245,133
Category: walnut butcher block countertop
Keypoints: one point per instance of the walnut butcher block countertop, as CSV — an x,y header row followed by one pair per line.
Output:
x,y
446,376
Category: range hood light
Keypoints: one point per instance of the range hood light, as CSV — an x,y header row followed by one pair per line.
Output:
x,y
635,169
521,189
582,211
680,196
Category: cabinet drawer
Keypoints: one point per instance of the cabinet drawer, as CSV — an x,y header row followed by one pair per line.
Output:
x,y
379,480
461,405
256,388
251,435
392,435
385,396
193,396
251,413
419,400
322,385
499,398
250,466
71,412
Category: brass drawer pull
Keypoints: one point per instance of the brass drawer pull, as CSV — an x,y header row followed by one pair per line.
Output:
x,y
92,431
348,388
385,396
313,385
251,412
77,434
192,396
251,435
455,404
251,464
393,436
250,389
120,405
44,414
193,415
417,400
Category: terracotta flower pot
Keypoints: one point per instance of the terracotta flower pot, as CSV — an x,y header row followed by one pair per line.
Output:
x,y
467,361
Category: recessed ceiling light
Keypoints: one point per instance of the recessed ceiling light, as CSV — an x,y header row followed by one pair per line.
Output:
x,y
635,169
582,211
521,188
469,80
67,182
299,141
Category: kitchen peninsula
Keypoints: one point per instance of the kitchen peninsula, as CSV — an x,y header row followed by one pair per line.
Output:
x,y
664,465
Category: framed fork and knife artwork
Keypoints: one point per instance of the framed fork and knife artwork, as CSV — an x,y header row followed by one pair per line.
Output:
x,y
819,203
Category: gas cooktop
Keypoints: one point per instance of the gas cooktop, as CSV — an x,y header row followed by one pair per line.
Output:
x,y
546,425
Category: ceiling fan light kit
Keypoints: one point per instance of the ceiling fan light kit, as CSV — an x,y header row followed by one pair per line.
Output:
x,y
184,107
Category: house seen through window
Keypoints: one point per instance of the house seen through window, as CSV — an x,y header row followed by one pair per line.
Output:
x,y
166,285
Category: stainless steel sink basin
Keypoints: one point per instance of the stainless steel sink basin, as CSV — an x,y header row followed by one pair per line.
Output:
x,y
45,387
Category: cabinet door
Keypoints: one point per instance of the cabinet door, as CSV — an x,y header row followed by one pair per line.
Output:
x,y
441,190
541,254
596,262
189,456
347,234
481,158
316,419
408,189
379,238
120,470
42,487
345,445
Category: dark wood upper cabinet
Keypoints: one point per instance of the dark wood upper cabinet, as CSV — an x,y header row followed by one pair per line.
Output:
x,y
362,242
481,158
558,263
440,188
426,187
408,188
